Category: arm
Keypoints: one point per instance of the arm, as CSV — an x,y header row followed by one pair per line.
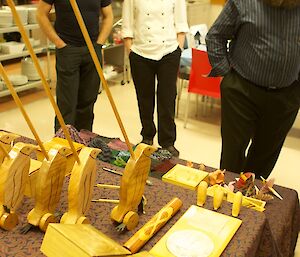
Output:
x,y
45,24
107,22
180,39
127,24
180,21
224,29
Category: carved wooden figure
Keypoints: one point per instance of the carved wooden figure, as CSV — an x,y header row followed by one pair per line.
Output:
x,y
6,140
48,189
132,187
13,178
81,187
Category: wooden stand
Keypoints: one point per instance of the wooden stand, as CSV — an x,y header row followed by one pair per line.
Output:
x,y
48,189
13,177
81,187
132,187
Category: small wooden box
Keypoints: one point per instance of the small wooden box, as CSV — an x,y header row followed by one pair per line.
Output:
x,y
79,240
184,176
56,143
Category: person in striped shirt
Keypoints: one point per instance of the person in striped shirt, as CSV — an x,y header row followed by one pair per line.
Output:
x,y
260,91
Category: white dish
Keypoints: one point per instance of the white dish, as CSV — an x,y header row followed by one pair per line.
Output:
x,y
190,242
18,80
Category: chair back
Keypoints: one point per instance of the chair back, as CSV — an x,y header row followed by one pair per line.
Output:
x,y
199,83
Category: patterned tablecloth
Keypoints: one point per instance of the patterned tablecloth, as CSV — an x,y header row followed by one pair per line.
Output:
x,y
272,233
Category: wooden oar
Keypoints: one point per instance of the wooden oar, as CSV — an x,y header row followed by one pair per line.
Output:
x,y
100,72
41,74
3,149
20,105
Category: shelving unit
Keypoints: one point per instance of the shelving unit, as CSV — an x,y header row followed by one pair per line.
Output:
x,y
37,50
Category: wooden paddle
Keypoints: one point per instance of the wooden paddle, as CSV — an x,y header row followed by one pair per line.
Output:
x,y
41,74
100,72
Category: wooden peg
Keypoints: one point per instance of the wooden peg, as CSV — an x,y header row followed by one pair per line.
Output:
x,y
218,198
202,193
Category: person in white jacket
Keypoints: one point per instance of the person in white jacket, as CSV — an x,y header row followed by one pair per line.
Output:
x,y
154,34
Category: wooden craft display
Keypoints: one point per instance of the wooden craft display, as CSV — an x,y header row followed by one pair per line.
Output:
x,y
80,240
141,237
132,187
13,177
6,140
48,189
81,187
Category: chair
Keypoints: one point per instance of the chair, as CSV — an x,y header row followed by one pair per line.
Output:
x,y
199,83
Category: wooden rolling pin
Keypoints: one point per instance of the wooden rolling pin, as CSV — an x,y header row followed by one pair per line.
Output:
x,y
141,237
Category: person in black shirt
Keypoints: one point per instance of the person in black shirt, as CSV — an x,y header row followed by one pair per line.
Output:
x,y
78,82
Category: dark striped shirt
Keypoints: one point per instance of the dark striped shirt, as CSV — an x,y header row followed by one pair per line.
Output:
x,y
264,43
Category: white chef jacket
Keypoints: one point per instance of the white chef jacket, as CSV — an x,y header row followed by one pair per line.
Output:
x,y
153,25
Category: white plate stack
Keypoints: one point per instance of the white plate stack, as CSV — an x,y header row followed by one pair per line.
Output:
x,y
23,14
12,47
6,18
28,69
32,15
18,80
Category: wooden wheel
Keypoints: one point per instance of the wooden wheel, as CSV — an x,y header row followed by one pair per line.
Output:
x,y
45,220
8,221
83,220
131,220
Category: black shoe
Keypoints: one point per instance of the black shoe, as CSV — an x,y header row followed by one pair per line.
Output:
x,y
172,150
147,141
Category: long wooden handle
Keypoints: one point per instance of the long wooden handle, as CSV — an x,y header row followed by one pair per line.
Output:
x,y
141,237
20,105
3,149
100,72
44,80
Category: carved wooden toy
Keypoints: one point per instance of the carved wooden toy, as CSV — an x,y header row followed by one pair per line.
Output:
x,y
6,140
81,187
13,178
48,189
132,187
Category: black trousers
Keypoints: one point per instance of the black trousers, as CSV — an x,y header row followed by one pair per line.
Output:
x,y
262,116
144,72
77,86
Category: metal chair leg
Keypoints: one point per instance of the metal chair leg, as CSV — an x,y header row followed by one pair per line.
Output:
x,y
186,110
